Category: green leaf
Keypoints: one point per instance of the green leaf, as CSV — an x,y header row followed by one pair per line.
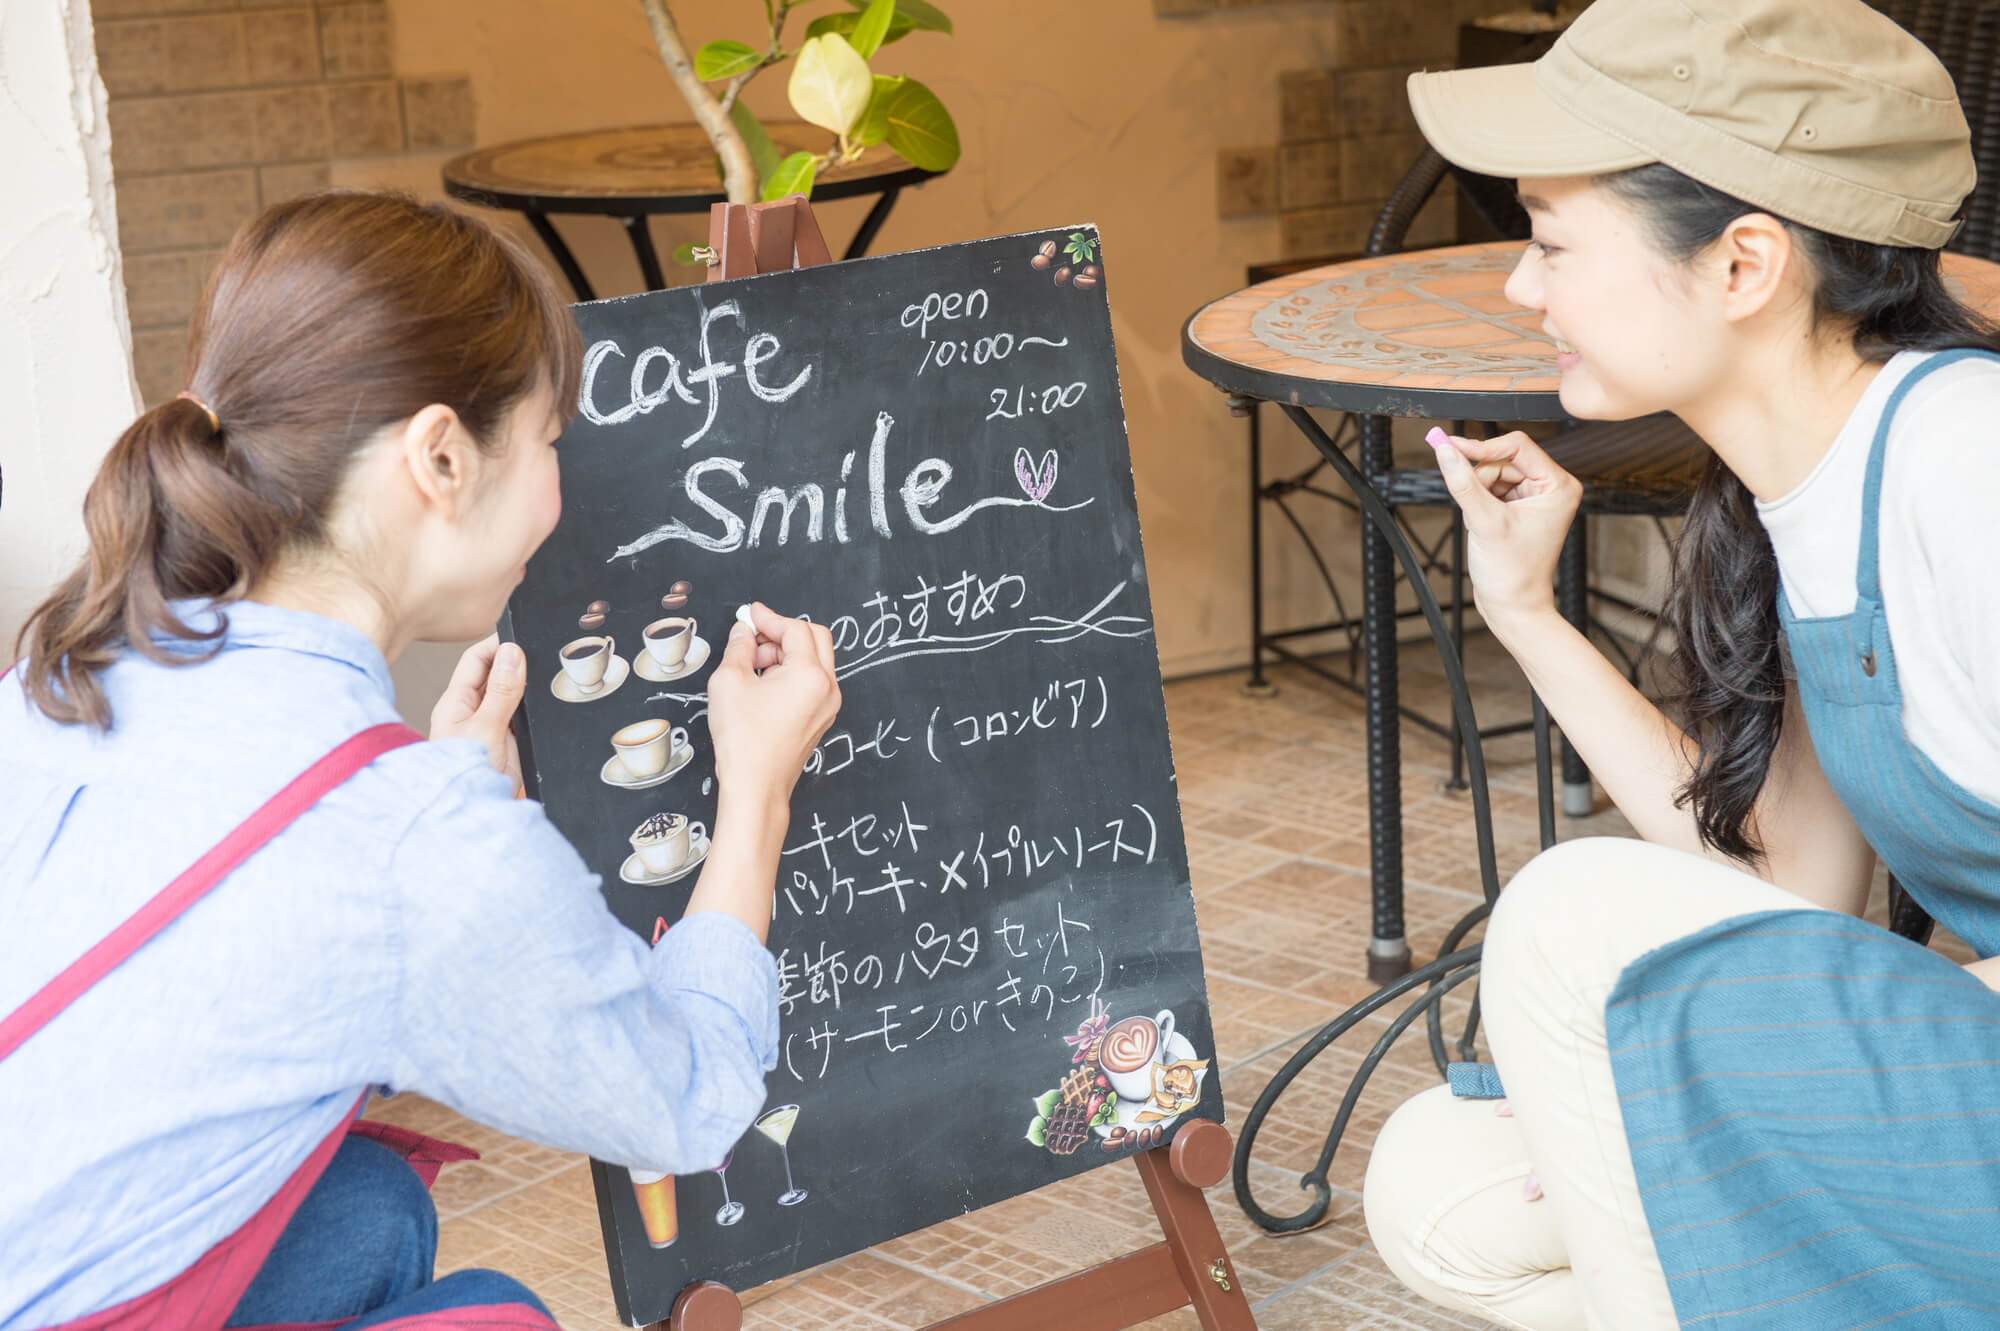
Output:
x,y
1035,1133
793,176
867,36
763,152
920,128
874,126
684,253
724,60
1046,1102
830,83
920,13
899,27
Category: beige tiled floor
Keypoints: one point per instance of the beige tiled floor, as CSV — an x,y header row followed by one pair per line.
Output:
x,y
1274,795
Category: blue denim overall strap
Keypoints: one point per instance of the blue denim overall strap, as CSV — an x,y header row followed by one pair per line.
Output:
x,y
1813,1104
1941,841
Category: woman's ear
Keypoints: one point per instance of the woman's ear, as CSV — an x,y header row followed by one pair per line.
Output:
x,y
440,458
1755,253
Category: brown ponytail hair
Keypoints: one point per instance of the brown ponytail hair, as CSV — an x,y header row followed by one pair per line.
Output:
x,y
329,318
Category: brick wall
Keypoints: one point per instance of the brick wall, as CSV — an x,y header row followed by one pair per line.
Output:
x,y
1345,133
219,109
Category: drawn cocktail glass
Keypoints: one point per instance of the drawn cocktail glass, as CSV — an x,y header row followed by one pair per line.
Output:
x,y
777,1125
729,1212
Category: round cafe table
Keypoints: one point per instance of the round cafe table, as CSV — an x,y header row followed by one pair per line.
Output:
x,y
1426,333
1430,334
632,174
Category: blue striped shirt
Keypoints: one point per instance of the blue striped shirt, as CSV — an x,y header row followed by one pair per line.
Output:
x,y
419,929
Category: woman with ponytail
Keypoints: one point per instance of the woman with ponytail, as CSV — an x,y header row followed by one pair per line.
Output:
x,y
200,740
1730,1102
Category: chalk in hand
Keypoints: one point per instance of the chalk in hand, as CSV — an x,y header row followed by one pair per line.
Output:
x,y
743,618
1437,438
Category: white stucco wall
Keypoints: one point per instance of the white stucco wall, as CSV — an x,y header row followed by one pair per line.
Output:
x,y
66,385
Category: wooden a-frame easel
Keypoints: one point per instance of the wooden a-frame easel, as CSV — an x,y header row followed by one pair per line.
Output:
x,y
1189,1266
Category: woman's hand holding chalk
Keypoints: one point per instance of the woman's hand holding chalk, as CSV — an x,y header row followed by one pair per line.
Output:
x,y
743,618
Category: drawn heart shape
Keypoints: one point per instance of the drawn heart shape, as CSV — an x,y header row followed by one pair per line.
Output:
x,y
1036,482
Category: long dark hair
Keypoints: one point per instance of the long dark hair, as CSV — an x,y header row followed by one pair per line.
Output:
x,y
328,318
1727,670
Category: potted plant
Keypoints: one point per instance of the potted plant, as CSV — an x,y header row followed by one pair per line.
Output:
x,y
831,86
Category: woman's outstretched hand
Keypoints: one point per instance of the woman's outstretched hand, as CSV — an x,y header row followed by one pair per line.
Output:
x,y
769,702
1518,505
479,703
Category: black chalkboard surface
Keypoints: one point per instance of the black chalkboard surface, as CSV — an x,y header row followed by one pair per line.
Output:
x,y
985,933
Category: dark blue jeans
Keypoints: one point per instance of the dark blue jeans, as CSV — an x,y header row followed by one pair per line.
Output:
x,y
362,1245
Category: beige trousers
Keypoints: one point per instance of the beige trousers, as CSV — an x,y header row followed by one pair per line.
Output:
x,y
1444,1198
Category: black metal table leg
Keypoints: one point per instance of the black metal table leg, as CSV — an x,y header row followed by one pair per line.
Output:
x,y
1442,975
870,224
1256,686
641,237
1573,600
564,259
1388,950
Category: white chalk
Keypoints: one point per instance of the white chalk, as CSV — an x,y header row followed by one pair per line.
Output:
x,y
743,618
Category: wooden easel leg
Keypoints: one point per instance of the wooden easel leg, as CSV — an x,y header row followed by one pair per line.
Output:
x,y
729,237
1174,1179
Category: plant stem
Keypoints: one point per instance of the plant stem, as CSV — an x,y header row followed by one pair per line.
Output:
x,y
739,173
773,53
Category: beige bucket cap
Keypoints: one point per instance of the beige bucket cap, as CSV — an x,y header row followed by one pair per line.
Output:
x,y
1823,111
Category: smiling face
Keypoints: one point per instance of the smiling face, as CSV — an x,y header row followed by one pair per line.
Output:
x,y
1635,332
474,562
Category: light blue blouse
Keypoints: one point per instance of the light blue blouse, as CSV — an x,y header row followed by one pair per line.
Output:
x,y
419,929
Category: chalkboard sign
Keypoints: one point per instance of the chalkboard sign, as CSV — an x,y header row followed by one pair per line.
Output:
x,y
984,929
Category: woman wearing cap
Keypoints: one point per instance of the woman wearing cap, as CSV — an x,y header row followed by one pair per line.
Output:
x,y
362,460
1730,1103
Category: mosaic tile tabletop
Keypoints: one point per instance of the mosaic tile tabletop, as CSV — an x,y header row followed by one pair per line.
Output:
x,y
1429,319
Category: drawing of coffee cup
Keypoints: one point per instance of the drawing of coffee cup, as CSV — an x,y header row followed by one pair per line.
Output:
x,y
645,747
1130,1049
584,661
664,841
667,640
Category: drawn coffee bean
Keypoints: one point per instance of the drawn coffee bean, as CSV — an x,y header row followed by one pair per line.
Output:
x,y
1062,275
1040,262
1085,280
684,587
590,622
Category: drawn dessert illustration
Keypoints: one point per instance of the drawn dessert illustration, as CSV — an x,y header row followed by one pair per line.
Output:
x,y
1128,1082
665,848
1073,263
591,668
778,1125
672,648
645,753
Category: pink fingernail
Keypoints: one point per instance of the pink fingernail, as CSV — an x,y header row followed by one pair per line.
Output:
x,y
1437,438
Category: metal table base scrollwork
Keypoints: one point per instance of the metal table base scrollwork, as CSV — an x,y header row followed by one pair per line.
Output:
x,y
1428,334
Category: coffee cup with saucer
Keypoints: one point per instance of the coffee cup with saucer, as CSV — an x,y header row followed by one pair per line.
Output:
x,y
665,847
673,650
645,754
591,669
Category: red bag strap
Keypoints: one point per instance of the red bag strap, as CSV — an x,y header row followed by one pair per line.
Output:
x,y
277,813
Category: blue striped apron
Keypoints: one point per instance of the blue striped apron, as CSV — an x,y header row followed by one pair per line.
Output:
x,y
1812,1103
